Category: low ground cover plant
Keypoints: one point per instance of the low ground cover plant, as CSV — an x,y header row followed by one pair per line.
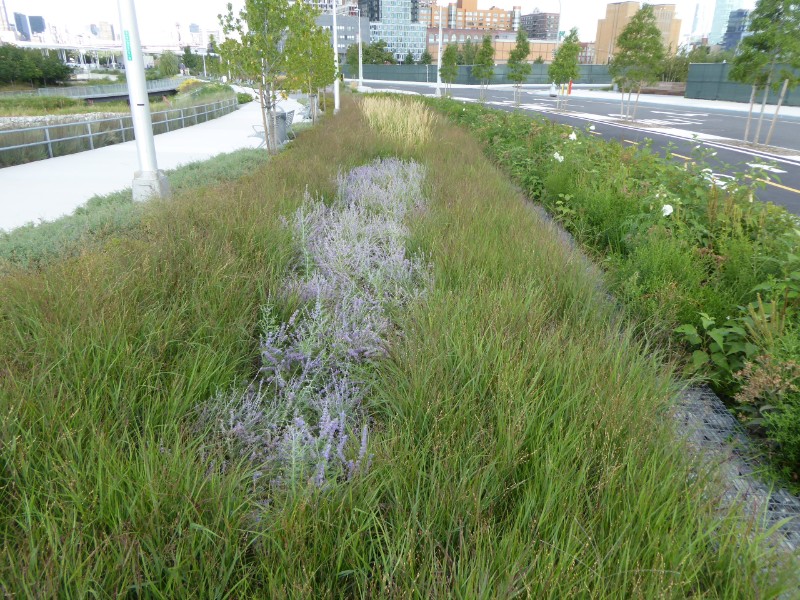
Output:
x,y
695,261
36,245
516,423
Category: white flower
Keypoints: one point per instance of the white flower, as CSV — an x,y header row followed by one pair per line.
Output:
x,y
572,136
667,210
558,157
591,127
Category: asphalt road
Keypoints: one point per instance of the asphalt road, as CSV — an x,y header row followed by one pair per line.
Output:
x,y
780,176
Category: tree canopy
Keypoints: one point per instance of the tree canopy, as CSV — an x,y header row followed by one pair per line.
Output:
x,y
425,58
484,64
518,66
565,63
641,51
18,65
376,53
168,64
449,70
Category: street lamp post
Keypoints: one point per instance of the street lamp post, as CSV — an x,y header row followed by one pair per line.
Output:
x,y
148,181
335,61
439,56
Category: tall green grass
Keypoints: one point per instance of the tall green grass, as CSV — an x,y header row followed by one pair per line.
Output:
x,y
521,439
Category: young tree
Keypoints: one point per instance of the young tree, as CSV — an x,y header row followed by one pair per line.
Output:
x,y
168,64
449,70
469,52
351,59
254,47
193,62
408,59
538,60
564,67
640,55
765,56
377,54
518,67
484,65
425,58
310,52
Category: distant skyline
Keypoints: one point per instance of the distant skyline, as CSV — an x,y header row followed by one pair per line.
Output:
x,y
157,18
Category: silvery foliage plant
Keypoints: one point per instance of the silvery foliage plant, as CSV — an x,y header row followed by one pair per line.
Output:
x,y
354,274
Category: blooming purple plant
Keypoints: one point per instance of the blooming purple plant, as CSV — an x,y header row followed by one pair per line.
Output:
x,y
353,274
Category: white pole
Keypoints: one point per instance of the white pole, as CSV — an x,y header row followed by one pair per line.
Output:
x,y
204,66
360,57
439,67
336,61
148,180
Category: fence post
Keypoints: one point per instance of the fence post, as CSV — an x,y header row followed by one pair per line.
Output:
x,y
183,119
89,129
166,119
49,145
122,129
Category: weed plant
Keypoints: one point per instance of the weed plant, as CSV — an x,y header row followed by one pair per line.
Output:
x,y
520,439
704,265
409,123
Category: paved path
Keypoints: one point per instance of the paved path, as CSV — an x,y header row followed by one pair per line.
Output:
x,y
48,189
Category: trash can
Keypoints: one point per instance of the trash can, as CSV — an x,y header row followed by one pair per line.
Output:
x,y
280,126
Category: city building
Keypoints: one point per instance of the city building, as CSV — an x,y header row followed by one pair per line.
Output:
x,y
348,27
719,24
738,28
465,14
503,43
21,23
106,31
619,14
586,55
540,25
396,22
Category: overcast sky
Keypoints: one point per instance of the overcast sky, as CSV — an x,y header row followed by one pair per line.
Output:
x,y
156,16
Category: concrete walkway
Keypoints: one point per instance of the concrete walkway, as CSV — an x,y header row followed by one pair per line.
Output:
x,y
48,189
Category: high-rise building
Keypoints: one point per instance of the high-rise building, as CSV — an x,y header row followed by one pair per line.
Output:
x,y
105,31
619,14
348,27
722,10
738,28
396,22
21,22
540,25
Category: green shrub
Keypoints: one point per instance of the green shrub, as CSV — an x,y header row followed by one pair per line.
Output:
x,y
688,258
244,97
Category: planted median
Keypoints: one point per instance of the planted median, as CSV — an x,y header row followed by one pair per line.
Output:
x,y
202,402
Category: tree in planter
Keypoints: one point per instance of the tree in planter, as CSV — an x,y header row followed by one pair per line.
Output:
x,y
640,56
484,65
449,70
764,55
425,58
409,59
538,60
168,64
310,52
564,67
469,52
261,31
518,67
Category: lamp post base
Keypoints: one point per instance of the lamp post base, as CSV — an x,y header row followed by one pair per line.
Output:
x,y
149,184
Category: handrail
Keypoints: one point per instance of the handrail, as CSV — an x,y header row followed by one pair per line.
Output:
x,y
112,89
190,114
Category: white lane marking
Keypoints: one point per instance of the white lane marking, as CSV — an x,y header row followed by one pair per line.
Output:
x,y
769,168
678,114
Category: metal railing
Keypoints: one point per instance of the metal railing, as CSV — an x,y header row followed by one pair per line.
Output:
x,y
102,132
112,89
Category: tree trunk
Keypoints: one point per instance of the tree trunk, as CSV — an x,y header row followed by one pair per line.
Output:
x,y
636,104
263,101
628,111
273,115
777,110
750,112
622,102
763,106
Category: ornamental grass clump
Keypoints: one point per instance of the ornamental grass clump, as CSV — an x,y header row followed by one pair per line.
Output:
x,y
409,123
295,421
